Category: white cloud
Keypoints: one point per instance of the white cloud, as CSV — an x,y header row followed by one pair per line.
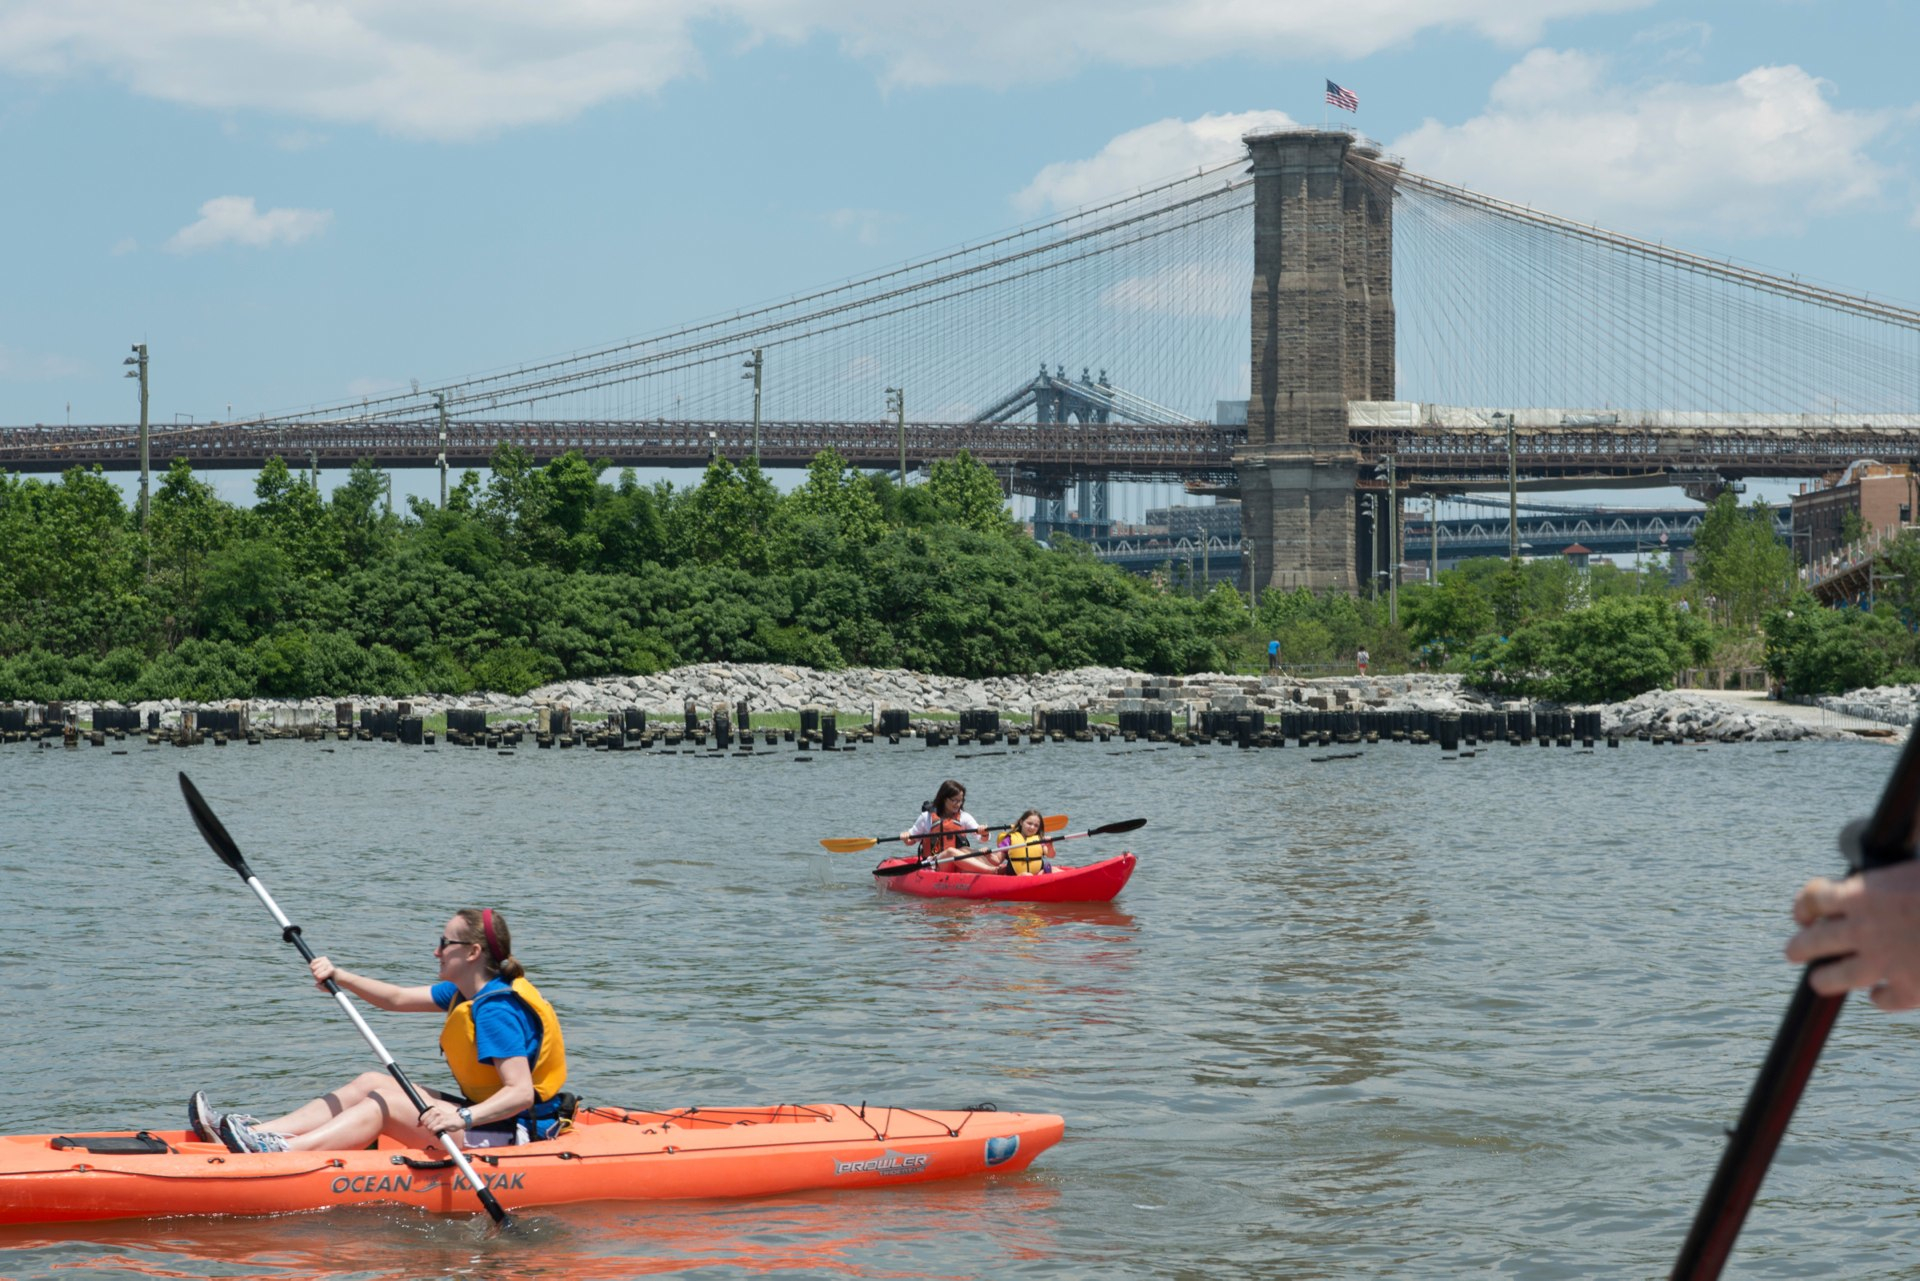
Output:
x,y
461,69
1181,289
24,366
1682,41
1141,157
234,220
447,69
866,225
1754,155
995,41
123,246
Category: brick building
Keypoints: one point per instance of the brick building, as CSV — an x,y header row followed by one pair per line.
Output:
x,y
1884,496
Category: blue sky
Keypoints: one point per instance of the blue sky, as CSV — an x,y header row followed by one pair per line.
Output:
x,y
305,202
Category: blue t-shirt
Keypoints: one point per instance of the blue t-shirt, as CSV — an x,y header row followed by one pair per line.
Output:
x,y
503,1029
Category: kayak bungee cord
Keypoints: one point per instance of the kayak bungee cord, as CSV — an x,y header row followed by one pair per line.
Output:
x,y
1881,841
223,845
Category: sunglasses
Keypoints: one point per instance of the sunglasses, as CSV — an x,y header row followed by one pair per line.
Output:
x,y
446,943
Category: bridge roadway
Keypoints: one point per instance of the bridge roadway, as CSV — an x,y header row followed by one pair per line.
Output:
x,y
1039,458
1602,530
1440,446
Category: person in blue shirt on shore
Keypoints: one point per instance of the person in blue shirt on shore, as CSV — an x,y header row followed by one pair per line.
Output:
x,y
501,1039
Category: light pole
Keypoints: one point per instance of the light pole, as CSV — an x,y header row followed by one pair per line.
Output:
x,y
755,365
440,402
1513,494
1370,505
1393,544
1433,540
897,406
1390,471
139,361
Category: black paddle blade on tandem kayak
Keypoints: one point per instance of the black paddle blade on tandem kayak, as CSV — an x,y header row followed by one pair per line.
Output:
x,y
210,827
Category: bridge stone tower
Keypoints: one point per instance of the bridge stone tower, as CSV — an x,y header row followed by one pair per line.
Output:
x,y
1322,335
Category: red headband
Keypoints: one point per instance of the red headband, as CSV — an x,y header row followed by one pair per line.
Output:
x,y
486,929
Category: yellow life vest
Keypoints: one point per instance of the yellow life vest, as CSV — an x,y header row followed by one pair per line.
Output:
x,y
477,1080
1024,853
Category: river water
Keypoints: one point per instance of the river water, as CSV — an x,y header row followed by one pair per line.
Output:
x,y
1390,1016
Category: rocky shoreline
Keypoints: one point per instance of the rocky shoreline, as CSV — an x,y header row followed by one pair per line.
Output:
x,y
858,693
1889,704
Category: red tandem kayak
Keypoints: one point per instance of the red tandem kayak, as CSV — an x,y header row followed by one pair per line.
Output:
x,y
610,1154
1094,883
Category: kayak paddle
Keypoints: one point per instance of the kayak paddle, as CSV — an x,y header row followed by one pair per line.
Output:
x,y
1882,840
854,844
1111,829
223,845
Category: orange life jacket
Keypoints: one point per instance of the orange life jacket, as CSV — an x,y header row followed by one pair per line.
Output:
x,y
944,835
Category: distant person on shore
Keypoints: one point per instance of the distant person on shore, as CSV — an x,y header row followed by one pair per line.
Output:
x,y
1273,655
1360,660
1025,847
501,1041
943,831
1871,922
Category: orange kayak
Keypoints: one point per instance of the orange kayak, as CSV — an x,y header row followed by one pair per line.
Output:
x,y
1094,883
610,1154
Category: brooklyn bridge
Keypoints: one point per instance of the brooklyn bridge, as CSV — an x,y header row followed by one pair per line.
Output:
x,y
1381,328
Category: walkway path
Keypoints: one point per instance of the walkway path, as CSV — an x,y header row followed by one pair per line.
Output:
x,y
1754,700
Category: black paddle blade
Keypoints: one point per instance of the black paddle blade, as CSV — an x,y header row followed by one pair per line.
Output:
x,y
1124,825
209,824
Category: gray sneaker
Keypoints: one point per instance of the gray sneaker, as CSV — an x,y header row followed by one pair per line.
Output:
x,y
238,1134
204,1121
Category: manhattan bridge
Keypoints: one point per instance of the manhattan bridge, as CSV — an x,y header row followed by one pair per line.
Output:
x,y
1393,338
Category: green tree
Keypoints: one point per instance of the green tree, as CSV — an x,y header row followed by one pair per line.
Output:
x,y
297,520
963,492
358,510
189,522
1739,564
1507,596
245,591
1449,615
1814,650
627,526
70,566
725,519
1619,648
833,504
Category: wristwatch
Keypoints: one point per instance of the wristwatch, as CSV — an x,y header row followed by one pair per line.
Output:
x,y
466,1117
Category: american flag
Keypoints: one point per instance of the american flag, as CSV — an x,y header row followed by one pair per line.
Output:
x,y
1345,99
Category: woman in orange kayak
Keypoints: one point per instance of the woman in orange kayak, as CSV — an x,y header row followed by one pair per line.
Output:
x,y
942,831
1025,847
501,1040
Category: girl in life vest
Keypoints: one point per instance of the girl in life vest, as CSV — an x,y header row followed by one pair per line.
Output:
x,y
942,832
1028,852
501,1039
